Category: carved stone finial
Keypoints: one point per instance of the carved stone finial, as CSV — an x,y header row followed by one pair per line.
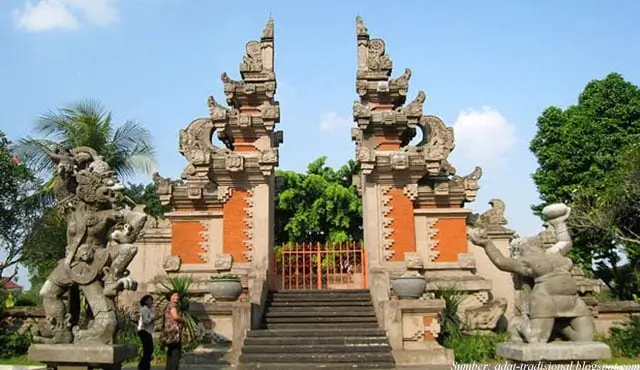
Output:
x,y
494,216
361,29
469,183
267,34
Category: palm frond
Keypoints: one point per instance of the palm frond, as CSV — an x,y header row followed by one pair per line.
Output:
x,y
33,153
132,149
127,148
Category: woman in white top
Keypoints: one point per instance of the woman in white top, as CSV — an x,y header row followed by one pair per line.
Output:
x,y
145,331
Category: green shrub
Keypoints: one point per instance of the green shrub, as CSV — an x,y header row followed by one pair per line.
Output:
x,y
624,339
467,348
449,320
475,348
13,344
25,301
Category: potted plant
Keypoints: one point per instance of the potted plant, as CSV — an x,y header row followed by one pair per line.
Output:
x,y
409,286
225,287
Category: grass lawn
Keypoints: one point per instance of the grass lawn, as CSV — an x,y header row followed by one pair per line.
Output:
x,y
620,361
22,360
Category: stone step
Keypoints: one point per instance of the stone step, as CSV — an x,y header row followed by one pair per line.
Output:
x,y
321,325
319,291
351,340
317,333
304,365
332,303
328,358
320,299
320,319
316,348
321,314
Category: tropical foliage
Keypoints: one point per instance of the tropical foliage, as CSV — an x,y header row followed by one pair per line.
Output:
x,y
320,205
19,209
126,147
588,157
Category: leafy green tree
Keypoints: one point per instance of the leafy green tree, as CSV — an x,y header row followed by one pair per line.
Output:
x,y
146,194
18,207
44,246
579,155
320,205
613,216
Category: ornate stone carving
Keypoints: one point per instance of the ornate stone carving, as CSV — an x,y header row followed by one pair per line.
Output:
x,y
399,161
204,242
493,217
224,193
268,160
553,293
164,188
102,229
222,262
432,241
413,261
411,191
234,163
387,231
438,146
469,183
484,317
172,263
248,230
414,109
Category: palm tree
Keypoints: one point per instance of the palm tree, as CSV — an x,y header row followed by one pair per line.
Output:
x,y
127,148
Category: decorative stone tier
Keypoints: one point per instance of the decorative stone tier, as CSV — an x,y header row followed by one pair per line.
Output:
x,y
82,357
555,353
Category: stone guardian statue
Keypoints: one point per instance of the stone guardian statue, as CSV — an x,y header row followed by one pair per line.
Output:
x,y
555,310
101,230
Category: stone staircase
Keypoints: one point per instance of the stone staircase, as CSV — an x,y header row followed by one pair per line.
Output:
x,y
318,329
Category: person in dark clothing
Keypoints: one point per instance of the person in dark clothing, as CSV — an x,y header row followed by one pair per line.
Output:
x,y
145,331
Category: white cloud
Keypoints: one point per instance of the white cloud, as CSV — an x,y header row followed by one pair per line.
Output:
x,y
334,122
51,15
483,136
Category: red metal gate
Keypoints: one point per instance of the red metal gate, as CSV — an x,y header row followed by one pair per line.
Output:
x,y
307,266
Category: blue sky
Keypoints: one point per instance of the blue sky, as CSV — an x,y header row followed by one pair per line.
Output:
x,y
488,68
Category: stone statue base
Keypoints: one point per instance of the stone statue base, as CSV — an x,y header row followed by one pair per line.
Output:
x,y
555,353
82,357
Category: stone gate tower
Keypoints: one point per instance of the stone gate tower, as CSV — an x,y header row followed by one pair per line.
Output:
x,y
412,198
414,218
222,209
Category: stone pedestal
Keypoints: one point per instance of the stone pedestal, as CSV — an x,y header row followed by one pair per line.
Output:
x,y
412,327
546,355
82,357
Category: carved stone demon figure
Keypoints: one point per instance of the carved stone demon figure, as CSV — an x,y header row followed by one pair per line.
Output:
x,y
101,230
554,309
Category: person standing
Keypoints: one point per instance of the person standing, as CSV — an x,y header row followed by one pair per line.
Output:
x,y
172,331
145,331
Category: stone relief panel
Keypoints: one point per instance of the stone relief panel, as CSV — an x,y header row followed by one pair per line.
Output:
x,y
432,242
248,221
387,230
204,244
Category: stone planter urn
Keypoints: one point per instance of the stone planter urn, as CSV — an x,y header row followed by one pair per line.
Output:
x,y
225,287
409,286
